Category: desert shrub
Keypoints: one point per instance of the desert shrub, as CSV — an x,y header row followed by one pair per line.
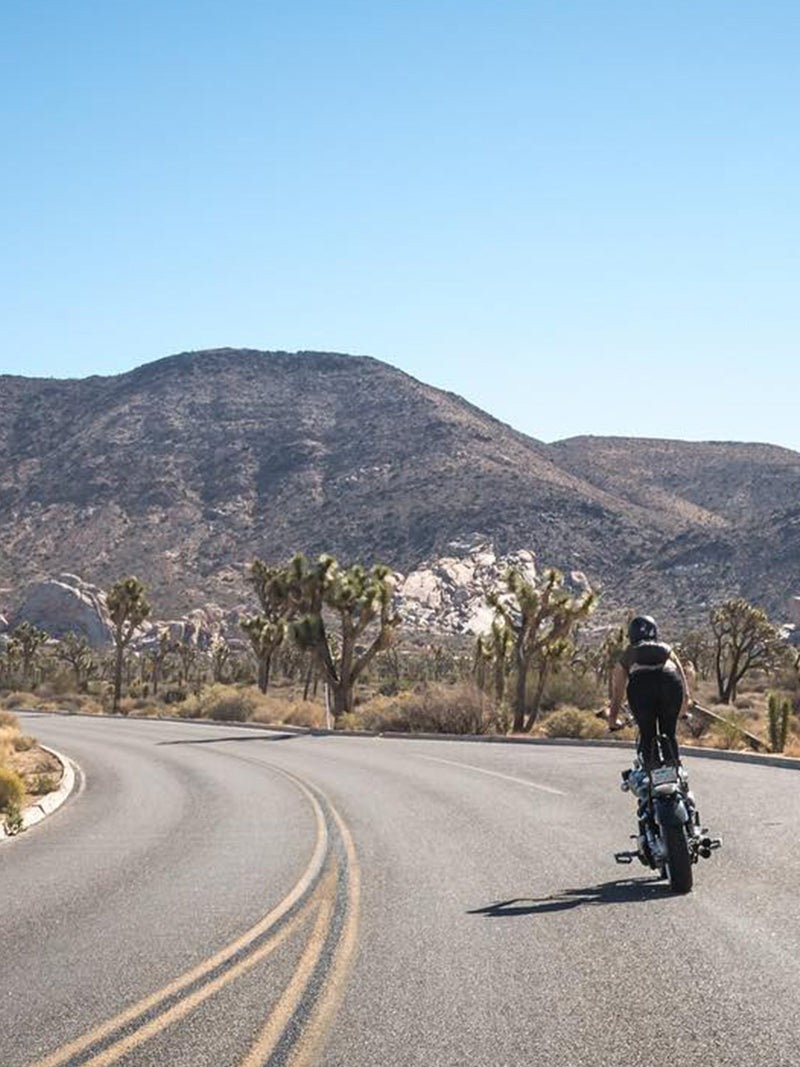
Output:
x,y
12,819
226,703
86,704
43,783
8,735
274,709
433,708
19,700
572,689
303,714
146,707
729,734
12,789
7,718
573,722
23,743
60,683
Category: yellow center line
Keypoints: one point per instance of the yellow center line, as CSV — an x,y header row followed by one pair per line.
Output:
x,y
273,1029
156,1026
98,1033
496,774
306,1052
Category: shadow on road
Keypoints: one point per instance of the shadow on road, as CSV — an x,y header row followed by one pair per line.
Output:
x,y
229,740
620,891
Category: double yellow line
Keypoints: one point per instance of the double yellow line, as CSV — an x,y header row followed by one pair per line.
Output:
x,y
312,894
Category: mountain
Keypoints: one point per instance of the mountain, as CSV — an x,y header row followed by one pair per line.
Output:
x,y
183,469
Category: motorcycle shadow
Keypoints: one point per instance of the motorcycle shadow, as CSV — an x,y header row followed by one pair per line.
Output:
x,y
619,891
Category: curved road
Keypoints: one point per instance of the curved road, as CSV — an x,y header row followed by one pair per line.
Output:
x,y
220,896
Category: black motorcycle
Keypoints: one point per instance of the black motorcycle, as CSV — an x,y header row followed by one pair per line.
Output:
x,y
670,839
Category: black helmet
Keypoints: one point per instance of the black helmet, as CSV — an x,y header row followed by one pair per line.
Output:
x,y
642,628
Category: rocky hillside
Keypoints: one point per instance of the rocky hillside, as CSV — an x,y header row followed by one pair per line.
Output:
x,y
182,470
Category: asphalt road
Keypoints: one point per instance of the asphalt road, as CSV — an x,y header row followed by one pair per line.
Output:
x,y
221,896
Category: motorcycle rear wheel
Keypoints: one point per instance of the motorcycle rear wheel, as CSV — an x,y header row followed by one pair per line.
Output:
x,y
679,863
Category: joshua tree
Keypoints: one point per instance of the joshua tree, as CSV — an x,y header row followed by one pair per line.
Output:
x,y
539,615
694,647
607,653
188,653
744,640
493,652
76,651
220,661
267,630
266,637
27,641
360,601
128,608
9,664
158,656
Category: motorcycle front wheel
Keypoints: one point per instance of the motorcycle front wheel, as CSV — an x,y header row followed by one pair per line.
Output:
x,y
679,863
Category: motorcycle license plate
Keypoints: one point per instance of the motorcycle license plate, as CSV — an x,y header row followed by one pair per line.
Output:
x,y
664,776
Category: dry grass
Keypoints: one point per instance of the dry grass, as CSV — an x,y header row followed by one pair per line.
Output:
x,y
229,703
42,701
290,712
12,789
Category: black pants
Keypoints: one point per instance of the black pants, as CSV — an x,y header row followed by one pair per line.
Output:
x,y
655,698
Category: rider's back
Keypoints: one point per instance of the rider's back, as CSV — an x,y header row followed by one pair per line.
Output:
x,y
646,655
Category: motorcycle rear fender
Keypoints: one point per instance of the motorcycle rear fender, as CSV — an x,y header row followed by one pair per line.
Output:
x,y
671,810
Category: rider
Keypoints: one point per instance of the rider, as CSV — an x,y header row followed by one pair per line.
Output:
x,y
653,678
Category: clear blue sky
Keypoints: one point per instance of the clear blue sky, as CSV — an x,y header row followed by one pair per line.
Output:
x,y
583,216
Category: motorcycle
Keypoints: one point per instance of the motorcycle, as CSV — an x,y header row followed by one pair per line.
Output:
x,y
670,837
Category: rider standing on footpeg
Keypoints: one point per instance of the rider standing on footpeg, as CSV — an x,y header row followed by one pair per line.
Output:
x,y
652,677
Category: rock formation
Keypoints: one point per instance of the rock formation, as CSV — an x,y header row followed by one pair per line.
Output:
x,y
448,595
65,605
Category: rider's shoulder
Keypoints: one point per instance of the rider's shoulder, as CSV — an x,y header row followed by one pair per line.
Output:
x,y
646,653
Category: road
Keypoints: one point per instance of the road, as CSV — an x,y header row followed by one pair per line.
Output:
x,y
223,896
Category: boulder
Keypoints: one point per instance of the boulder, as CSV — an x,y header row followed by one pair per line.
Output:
x,y
65,605
448,595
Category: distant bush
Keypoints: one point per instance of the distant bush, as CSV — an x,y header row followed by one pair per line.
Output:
x,y
572,722
299,714
18,700
23,743
223,702
572,689
60,683
7,718
433,708
12,789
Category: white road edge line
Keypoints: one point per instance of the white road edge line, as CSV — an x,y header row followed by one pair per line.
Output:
x,y
497,774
